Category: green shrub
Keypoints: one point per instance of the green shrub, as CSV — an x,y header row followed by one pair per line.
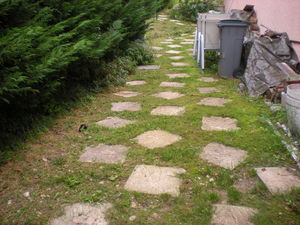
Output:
x,y
50,49
188,9
212,60
140,53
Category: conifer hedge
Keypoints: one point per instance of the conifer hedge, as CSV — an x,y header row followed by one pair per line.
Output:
x,y
50,46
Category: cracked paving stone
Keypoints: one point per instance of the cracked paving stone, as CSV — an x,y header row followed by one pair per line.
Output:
x,y
206,90
135,82
114,122
84,214
173,52
211,101
176,57
156,139
179,64
111,154
127,94
215,123
208,79
232,215
168,110
125,106
177,75
278,179
155,180
245,185
168,95
148,67
171,84
224,156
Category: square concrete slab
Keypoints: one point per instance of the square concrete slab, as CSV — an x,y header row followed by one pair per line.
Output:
x,y
176,57
135,82
114,122
179,64
215,123
174,46
170,40
232,215
174,20
278,179
148,67
155,180
224,156
125,106
155,48
168,110
157,55
166,42
111,154
168,95
208,79
180,24
127,94
84,214
173,52
156,139
210,101
206,90
177,75
171,84
189,40
187,43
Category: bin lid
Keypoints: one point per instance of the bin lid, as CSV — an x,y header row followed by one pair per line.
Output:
x,y
233,23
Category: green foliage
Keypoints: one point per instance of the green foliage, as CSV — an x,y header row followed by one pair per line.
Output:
x,y
188,9
139,53
50,48
212,60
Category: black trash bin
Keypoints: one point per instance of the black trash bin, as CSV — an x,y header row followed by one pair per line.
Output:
x,y
232,34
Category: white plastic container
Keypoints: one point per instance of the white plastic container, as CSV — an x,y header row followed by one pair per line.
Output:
x,y
292,100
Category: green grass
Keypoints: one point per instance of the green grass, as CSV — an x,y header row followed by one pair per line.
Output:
x,y
50,171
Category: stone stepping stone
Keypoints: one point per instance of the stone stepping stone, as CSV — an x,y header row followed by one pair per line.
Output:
x,y
127,94
190,49
168,110
180,24
189,40
179,64
156,48
210,101
174,20
166,42
187,43
125,106
177,75
278,179
171,84
155,180
174,46
232,215
215,123
156,139
111,154
114,122
168,95
176,57
85,214
135,82
148,67
208,79
224,156
169,40
173,52
206,90
157,55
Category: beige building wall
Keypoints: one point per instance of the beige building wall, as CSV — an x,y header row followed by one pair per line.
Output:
x,y
278,15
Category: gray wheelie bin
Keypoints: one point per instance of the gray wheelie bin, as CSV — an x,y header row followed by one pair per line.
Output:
x,y
232,34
